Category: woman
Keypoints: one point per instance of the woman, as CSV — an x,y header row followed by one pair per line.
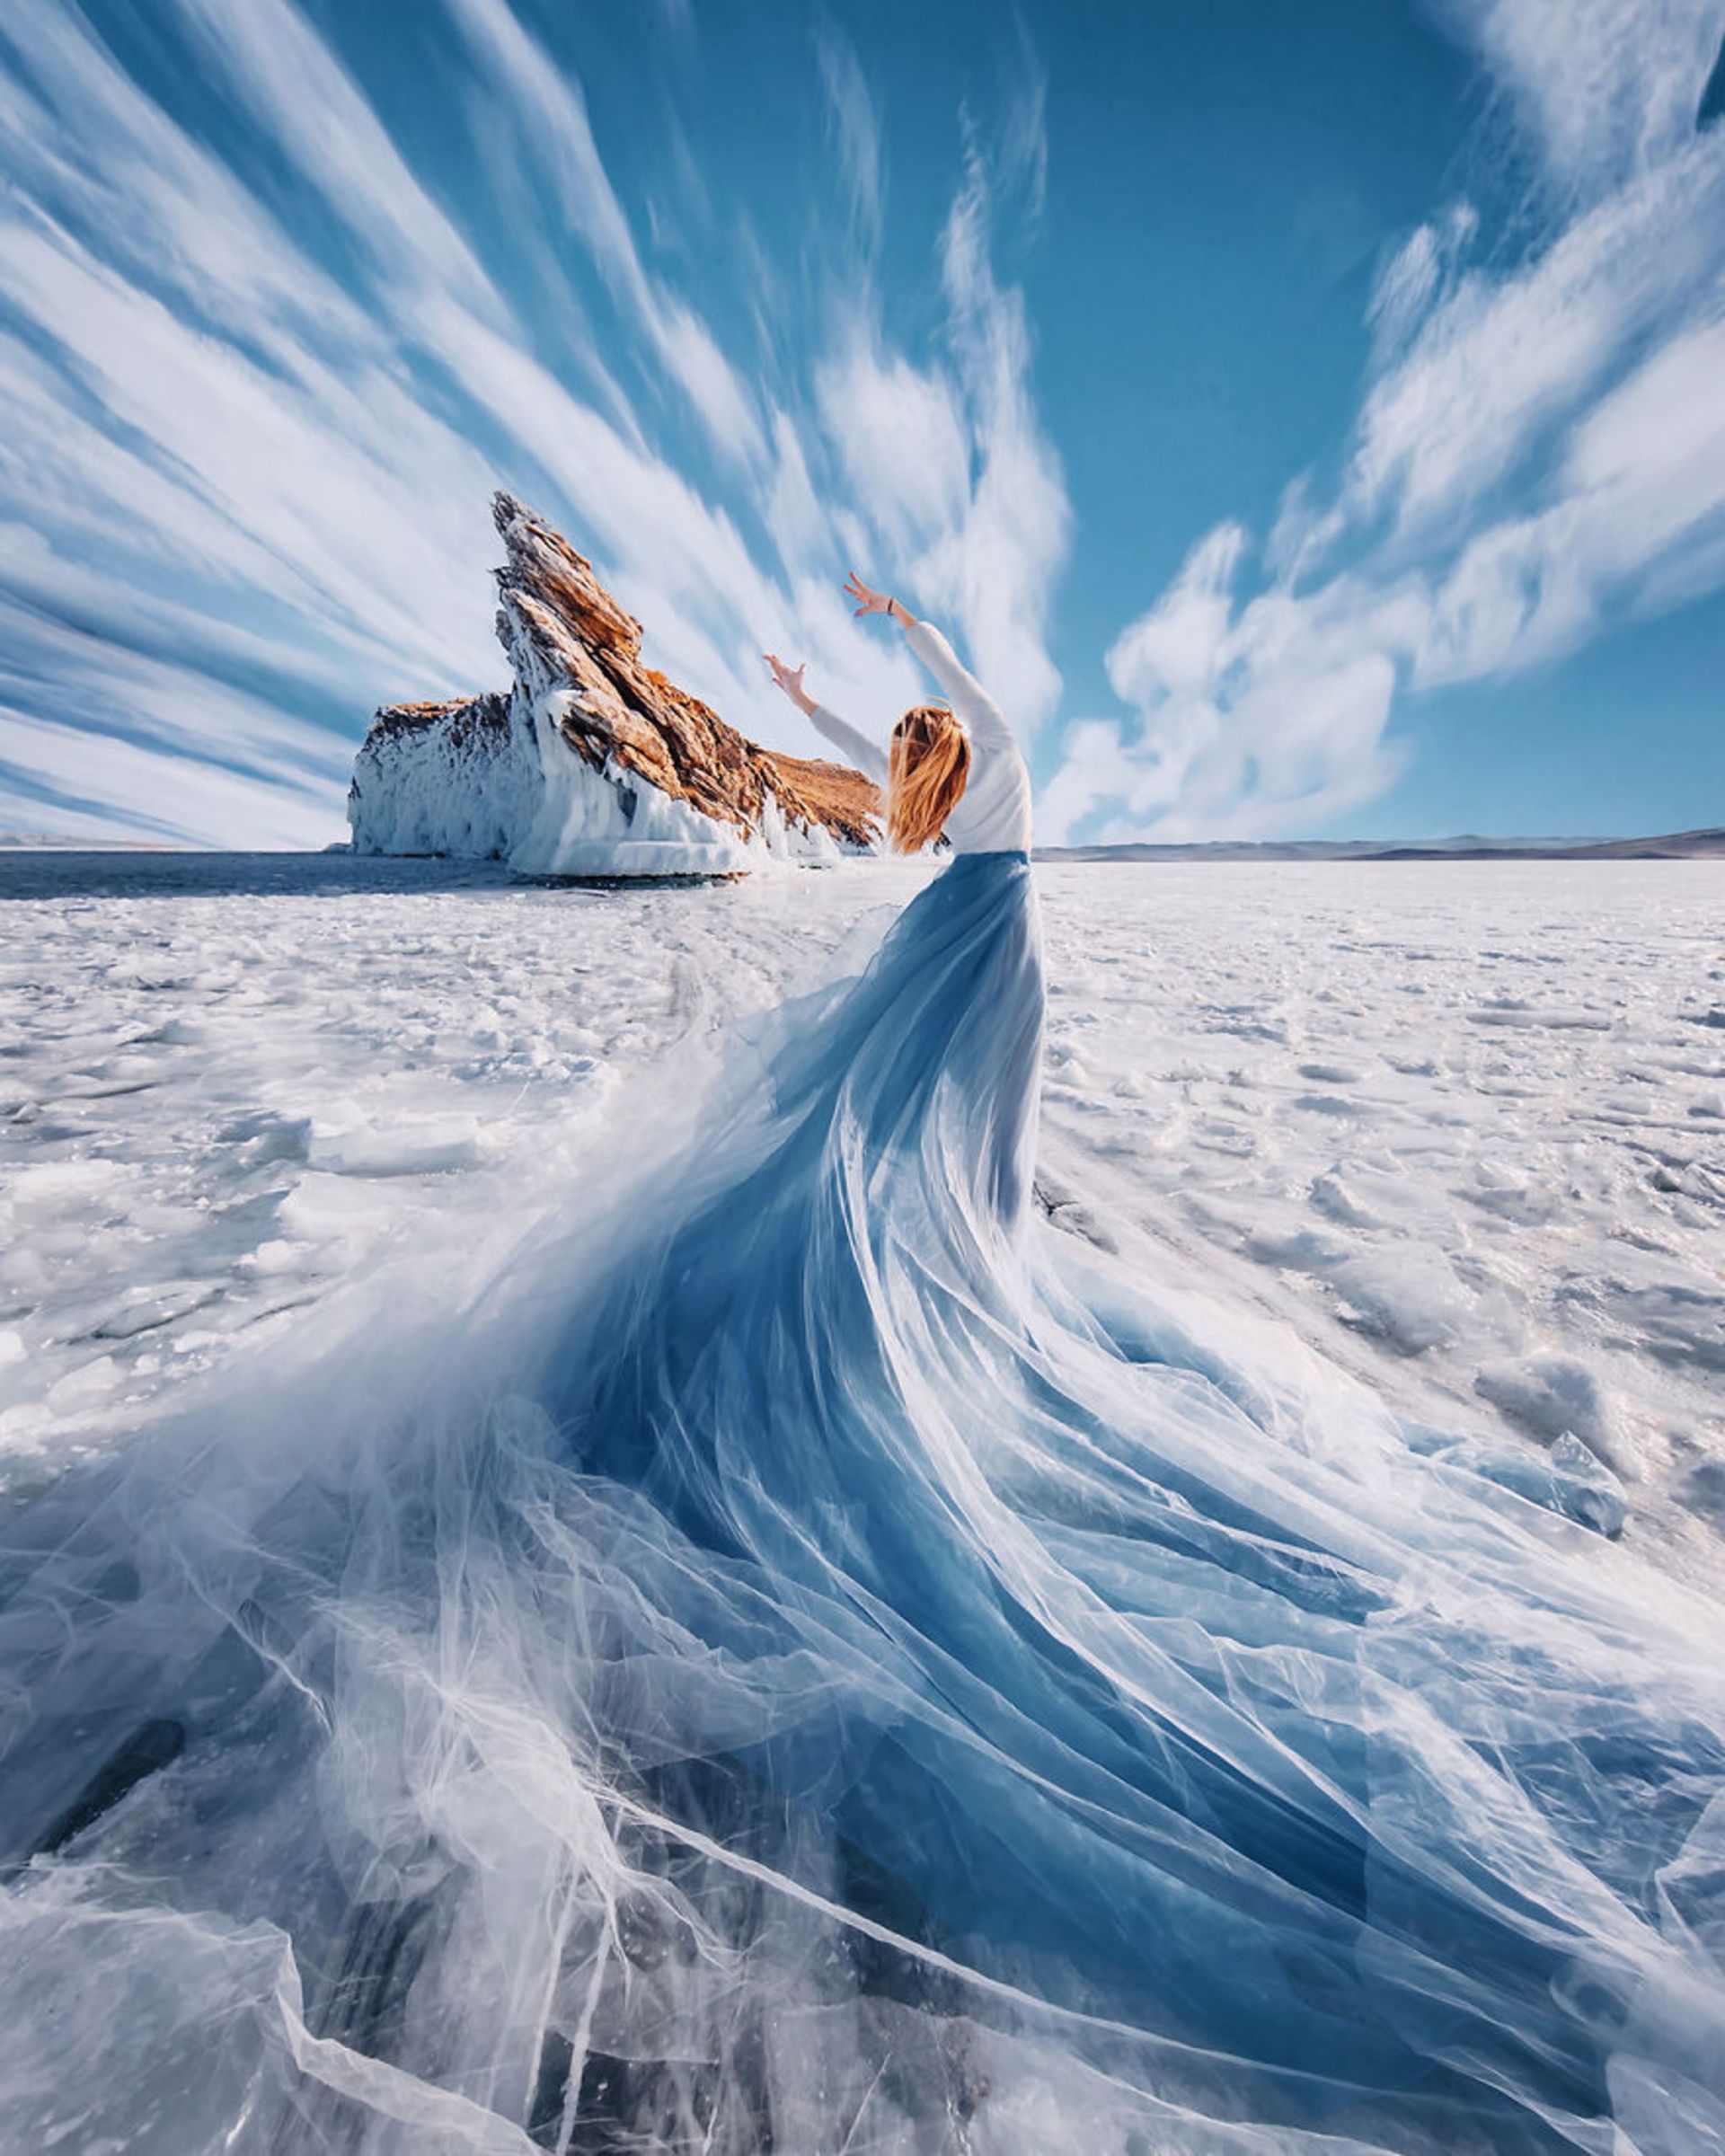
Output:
x,y
966,780
857,1675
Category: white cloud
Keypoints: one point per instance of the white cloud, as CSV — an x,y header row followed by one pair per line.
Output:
x,y
1413,278
1253,719
853,129
296,86
1605,88
950,465
1540,449
547,112
104,783
1503,359
1641,496
94,680
1175,653
327,523
1001,562
1024,125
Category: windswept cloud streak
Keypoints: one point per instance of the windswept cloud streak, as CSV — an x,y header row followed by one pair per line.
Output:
x,y
949,460
1604,90
1539,451
257,403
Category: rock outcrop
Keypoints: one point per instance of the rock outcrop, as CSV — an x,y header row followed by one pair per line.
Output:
x,y
594,763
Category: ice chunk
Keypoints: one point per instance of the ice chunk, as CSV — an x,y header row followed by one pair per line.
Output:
x,y
418,1148
1408,1297
1554,1395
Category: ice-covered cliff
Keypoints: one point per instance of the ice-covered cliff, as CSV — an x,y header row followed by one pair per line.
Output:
x,y
593,763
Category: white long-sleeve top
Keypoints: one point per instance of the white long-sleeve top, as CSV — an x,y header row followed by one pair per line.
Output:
x,y
992,814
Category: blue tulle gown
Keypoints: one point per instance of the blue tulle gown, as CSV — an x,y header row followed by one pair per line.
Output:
x,y
814,1659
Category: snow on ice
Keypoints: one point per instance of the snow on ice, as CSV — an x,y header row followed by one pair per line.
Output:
x,y
1460,1127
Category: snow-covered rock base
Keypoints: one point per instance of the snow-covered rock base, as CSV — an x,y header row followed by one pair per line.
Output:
x,y
610,821
493,778
461,778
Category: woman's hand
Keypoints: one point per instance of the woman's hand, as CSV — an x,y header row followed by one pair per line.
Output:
x,y
789,679
868,601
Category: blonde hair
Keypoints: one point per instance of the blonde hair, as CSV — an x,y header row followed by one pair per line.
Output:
x,y
930,763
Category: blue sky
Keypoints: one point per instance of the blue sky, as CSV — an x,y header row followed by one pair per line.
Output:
x,y
1309,416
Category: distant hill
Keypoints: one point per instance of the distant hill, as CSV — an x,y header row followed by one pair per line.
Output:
x,y
1676,845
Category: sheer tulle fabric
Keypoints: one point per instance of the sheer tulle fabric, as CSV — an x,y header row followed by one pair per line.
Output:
x,y
821,1663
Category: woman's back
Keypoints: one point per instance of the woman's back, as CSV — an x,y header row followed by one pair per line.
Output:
x,y
992,814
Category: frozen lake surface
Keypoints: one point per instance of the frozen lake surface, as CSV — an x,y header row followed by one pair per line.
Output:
x,y
1460,1127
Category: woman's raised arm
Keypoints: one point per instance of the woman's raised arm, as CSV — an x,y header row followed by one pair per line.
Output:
x,y
869,758
973,703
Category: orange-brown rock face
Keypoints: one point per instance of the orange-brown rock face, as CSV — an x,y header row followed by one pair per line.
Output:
x,y
562,630
838,797
655,782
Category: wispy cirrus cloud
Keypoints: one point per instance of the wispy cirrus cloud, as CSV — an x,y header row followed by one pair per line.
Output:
x,y
256,401
1603,90
853,129
550,116
1537,451
947,457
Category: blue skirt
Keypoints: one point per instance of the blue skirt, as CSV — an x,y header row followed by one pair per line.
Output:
x,y
824,1661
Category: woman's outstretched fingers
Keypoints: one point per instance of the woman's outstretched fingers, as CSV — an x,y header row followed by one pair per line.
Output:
x,y
788,678
868,601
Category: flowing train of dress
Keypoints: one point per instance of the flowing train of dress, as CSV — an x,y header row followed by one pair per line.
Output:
x,y
824,1664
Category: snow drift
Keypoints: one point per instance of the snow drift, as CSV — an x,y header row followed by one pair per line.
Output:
x,y
594,763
